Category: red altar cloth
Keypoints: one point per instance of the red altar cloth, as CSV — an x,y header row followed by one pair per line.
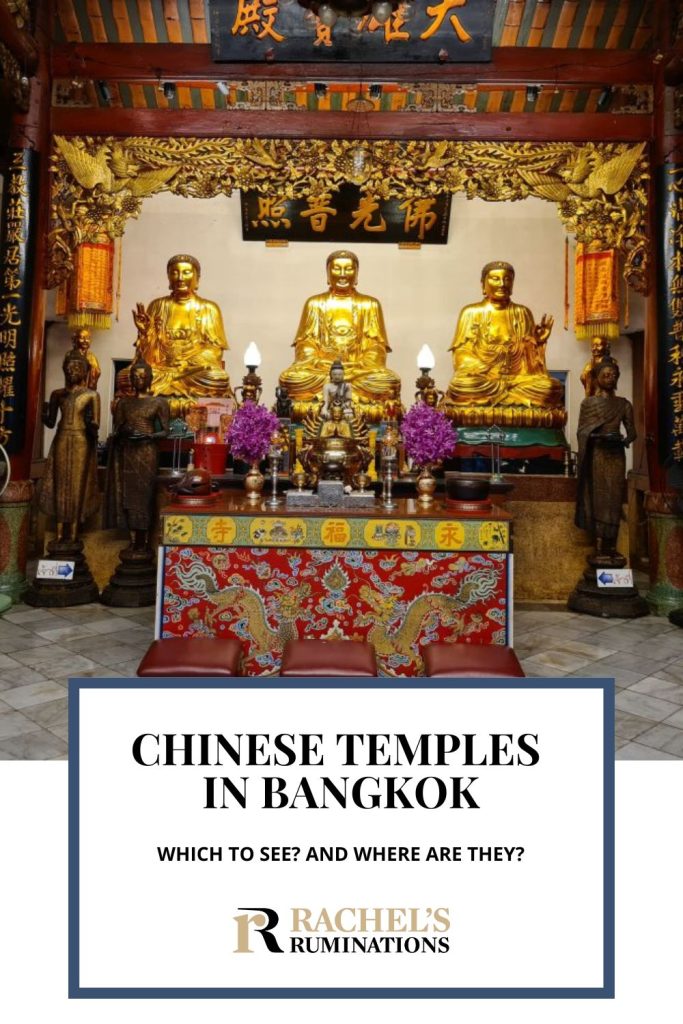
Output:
x,y
399,581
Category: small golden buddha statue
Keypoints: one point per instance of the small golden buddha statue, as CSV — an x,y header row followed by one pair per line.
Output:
x,y
336,425
392,405
182,337
342,325
335,447
600,352
80,342
499,360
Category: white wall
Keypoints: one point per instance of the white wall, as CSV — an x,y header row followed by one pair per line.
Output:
x,y
261,291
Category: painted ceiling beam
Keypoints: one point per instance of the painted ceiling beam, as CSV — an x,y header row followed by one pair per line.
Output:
x,y
149,62
531,127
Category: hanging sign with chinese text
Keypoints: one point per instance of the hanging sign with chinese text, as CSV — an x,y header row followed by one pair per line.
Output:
x,y
670,355
284,30
347,215
16,278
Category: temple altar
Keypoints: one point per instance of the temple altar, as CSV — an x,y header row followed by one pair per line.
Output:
x,y
400,580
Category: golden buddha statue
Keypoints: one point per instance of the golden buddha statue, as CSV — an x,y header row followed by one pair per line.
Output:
x,y
182,337
499,361
336,425
342,325
600,352
336,445
80,342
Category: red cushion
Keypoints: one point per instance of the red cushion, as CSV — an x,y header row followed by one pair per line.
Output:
x,y
443,661
328,658
196,656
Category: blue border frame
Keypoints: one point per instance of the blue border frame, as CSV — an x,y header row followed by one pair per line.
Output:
x,y
607,990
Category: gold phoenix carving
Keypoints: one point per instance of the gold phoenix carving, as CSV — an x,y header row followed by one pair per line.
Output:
x,y
600,189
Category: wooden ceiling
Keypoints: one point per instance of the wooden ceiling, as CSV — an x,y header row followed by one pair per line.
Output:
x,y
92,43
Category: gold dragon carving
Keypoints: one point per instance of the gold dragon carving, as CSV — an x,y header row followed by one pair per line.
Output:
x,y
600,189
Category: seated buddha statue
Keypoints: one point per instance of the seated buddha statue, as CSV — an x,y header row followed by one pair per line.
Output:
x,y
337,391
341,325
499,359
182,337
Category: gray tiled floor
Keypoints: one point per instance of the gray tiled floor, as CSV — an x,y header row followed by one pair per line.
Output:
x,y
39,649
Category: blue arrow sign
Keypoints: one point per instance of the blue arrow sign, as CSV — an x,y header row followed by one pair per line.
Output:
x,y
49,569
606,577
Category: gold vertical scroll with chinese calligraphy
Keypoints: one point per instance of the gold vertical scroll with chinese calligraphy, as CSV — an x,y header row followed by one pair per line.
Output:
x,y
671,316
16,273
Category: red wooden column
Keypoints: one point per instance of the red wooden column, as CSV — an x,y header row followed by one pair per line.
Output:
x,y
664,338
22,301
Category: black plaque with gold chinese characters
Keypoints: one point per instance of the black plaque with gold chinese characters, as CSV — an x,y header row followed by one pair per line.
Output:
x,y
347,215
16,281
287,30
670,361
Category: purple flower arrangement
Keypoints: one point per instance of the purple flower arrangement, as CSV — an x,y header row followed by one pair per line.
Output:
x,y
251,430
428,435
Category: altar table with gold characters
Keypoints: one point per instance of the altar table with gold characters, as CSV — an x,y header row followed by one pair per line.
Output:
x,y
398,579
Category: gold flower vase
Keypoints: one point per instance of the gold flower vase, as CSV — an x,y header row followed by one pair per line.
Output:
x,y
426,485
253,482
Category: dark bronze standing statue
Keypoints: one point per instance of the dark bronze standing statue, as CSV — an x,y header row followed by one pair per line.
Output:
x,y
140,422
601,466
601,473
69,487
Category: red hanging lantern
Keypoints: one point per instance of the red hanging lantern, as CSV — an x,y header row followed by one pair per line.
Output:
x,y
87,298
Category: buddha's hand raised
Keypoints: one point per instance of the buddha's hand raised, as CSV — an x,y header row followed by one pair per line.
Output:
x,y
542,330
141,320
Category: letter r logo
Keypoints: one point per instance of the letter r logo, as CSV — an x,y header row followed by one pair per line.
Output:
x,y
263,920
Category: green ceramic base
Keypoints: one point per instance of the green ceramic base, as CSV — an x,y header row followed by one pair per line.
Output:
x,y
663,599
666,537
12,586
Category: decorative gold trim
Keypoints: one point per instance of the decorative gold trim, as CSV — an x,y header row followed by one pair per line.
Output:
x,y
600,188
504,416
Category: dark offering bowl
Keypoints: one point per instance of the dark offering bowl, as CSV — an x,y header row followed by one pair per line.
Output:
x,y
194,489
466,488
